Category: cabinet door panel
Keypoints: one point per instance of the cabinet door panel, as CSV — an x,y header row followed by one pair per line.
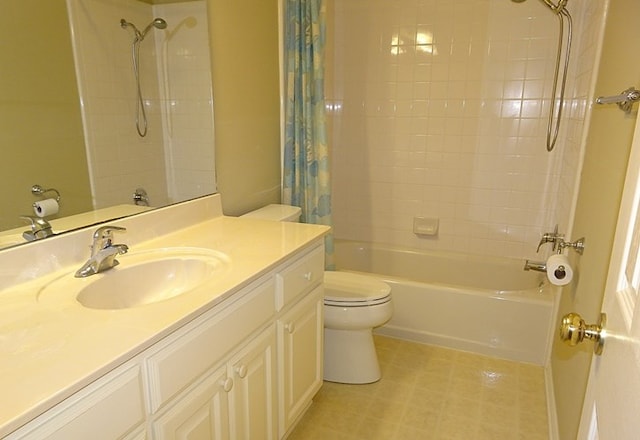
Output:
x,y
300,350
200,415
253,397
188,355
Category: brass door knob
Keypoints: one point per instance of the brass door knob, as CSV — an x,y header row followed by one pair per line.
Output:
x,y
573,330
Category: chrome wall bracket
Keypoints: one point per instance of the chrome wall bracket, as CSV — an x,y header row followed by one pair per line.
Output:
x,y
624,100
38,190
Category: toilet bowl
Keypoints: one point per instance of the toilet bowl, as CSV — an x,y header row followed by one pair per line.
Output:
x,y
353,305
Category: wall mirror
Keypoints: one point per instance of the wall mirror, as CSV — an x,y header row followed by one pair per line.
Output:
x,y
99,98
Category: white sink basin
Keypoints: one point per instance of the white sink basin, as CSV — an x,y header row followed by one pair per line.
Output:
x,y
141,278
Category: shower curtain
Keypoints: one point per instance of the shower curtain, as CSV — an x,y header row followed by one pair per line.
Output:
x,y
306,181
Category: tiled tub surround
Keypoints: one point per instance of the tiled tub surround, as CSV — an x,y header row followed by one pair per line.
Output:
x,y
175,160
51,351
439,109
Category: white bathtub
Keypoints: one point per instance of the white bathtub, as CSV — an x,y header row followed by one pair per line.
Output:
x,y
484,305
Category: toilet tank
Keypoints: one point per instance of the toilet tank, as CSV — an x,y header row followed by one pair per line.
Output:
x,y
275,212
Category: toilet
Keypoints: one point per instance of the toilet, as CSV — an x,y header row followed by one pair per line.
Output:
x,y
353,305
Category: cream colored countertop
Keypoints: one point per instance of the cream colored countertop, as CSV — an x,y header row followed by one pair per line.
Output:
x,y
51,349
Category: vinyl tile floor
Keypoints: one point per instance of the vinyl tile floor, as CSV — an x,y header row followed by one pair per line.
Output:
x,y
429,392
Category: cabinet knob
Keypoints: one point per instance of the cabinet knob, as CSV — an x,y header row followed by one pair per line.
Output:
x,y
308,276
226,384
241,370
290,327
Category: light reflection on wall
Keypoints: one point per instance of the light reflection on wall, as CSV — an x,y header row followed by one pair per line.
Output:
x,y
423,42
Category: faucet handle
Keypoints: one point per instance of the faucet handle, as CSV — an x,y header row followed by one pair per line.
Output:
x,y
548,237
37,223
552,237
106,232
40,228
103,237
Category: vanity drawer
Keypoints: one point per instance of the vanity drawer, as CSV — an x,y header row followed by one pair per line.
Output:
x,y
300,277
192,351
82,416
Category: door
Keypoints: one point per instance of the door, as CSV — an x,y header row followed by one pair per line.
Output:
x,y
200,415
612,400
300,349
252,399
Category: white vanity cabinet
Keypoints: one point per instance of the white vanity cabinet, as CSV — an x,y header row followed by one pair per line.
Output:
x,y
299,296
300,333
246,369
235,401
110,408
253,398
200,377
203,414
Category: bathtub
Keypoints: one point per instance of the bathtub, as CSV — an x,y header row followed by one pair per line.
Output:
x,y
484,305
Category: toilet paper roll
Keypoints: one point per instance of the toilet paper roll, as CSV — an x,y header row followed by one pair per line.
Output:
x,y
559,271
46,207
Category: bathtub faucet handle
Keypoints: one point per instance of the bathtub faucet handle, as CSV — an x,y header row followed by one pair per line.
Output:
x,y
551,237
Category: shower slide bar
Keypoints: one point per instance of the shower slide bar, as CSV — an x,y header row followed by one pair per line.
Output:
x,y
624,100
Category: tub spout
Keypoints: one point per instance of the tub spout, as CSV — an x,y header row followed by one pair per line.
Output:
x,y
540,266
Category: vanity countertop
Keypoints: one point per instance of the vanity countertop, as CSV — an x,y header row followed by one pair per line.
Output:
x,y
51,349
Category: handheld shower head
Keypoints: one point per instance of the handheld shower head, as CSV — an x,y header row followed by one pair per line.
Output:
x,y
125,24
160,23
556,7
157,23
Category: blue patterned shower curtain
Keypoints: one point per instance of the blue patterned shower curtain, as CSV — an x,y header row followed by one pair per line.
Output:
x,y
306,181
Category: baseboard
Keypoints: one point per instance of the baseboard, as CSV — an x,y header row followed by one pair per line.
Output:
x,y
552,411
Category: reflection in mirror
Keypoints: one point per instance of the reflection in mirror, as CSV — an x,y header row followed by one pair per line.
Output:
x,y
70,102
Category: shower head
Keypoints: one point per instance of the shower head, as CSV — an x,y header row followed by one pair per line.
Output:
x,y
125,24
157,23
556,7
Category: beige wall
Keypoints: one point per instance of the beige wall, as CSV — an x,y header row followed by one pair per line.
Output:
x,y
603,173
40,125
245,71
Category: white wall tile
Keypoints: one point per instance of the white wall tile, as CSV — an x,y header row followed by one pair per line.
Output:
x,y
458,133
121,161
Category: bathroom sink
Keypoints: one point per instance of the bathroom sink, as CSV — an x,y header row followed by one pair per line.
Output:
x,y
142,278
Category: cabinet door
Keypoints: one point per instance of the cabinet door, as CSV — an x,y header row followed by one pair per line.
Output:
x,y
202,414
300,350
252,400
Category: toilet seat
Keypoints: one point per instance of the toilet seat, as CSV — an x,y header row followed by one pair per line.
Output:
x,y
345,289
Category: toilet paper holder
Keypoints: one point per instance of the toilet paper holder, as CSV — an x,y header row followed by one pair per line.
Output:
x,y
38,190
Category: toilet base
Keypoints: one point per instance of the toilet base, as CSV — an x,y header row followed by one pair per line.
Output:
x,y
350,356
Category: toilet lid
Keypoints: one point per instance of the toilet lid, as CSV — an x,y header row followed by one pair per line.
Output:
x,y
346,289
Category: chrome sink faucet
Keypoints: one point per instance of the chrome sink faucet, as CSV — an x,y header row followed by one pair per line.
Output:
x,y
103,252
40,228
